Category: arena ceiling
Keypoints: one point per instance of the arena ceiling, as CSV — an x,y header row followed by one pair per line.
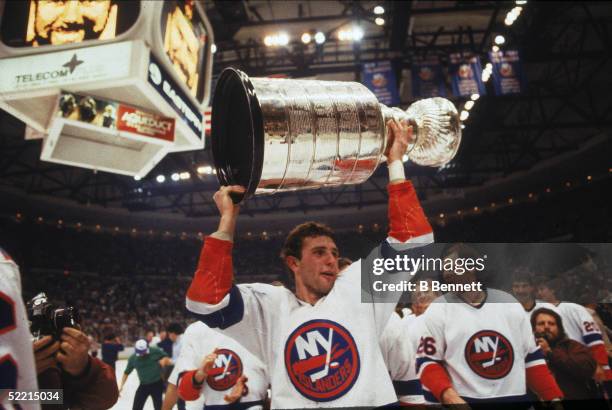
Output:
x,y
558,129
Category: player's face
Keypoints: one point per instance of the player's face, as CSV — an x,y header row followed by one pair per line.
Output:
x,y
546,294
548,325
63,22
523,291
451,277
317,270
149,337
422,302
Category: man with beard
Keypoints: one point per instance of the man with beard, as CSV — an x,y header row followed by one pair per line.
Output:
x,y
570,361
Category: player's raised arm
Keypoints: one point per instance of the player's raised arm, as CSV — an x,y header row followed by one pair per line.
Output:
x,y
213,278
407,221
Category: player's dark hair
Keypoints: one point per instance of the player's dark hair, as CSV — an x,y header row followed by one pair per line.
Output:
x,y
175,328
523,274
550,312
109,336
344,262
295,240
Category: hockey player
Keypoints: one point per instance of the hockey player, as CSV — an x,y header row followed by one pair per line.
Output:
x,y
17,369
321,344
580,326
524,290
477,347
219,369
399,353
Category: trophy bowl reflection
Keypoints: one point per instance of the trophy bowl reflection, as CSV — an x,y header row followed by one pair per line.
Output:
x,y
273,135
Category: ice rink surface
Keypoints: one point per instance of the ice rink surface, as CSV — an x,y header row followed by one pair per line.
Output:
x,y
129,390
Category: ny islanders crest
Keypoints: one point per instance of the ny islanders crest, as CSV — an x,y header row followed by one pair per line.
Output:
x,y
226,370
489,354
322,360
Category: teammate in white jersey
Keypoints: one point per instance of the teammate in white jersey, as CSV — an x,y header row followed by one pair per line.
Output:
x,y
229,365
399,354
477,347
321,344
17,369
524,290
580,326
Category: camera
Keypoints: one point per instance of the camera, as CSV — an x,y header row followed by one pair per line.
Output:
x,y
46,319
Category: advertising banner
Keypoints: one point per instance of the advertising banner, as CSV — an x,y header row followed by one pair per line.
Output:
x,y
115,116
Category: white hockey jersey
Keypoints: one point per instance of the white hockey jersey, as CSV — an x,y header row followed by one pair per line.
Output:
x,y
233,361
537,305
579,325
485,349
328,353
17,369
398,344
321,355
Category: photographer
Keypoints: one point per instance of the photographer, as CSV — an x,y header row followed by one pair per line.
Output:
x,y
61,354
570,362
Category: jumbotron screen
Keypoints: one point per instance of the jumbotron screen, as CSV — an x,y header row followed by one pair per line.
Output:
x,y
184,36
38,23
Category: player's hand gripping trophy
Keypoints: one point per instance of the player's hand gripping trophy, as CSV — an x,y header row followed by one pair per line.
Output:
x,y
274,135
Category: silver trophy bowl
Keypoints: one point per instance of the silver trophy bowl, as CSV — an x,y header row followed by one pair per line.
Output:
x,y
274,135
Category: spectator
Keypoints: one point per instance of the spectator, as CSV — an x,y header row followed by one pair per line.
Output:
x,y
111,348
65,364
165,343
570,362
148,362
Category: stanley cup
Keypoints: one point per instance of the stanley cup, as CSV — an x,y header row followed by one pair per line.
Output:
x,y
273,135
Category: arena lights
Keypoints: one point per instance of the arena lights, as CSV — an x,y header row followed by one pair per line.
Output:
x,y
520,2
206,170
474,97
469,105
161,179
175,177
137,178
499,39
379,21
379,10
319,37
512,15
353,34
405,158
279,39
486,73
464,115
495,49
306,38
213,48
184,175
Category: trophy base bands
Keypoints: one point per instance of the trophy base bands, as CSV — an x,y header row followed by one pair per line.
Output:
x,y
40,396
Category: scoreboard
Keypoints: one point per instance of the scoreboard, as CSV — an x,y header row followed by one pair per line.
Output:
x,y
152,59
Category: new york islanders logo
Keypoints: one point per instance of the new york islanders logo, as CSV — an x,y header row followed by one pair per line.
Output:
x,y
489,354
322,360
226,370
